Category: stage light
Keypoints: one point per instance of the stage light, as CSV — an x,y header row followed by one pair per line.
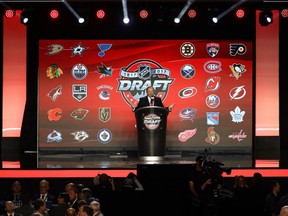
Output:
x,y
100,14
192,13
240,13
143,14
9,13
125,12
81,20
284,13
24,17
54,14
183,11
265,18
215,19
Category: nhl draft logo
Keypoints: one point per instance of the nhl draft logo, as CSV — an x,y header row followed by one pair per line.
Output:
x,y
152,121
139,75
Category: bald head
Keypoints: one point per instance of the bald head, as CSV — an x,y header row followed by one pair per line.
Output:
x,y
284,211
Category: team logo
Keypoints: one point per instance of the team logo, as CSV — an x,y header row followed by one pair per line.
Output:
x,y
55,93
212,83
237,115
239,136
187,114
139,75
79,71
79,114
237,93
80,135
103,48
152,121
239,49
78,50
104,114
79,91
185,135
188,71
53,71
54,49
54,136
237,70
104,94
104,136
54,114
187,92
187,49
212,137
212,101
212,49
104,71
212,118
212,67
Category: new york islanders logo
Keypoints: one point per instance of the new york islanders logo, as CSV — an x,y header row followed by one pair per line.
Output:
x,y
139,75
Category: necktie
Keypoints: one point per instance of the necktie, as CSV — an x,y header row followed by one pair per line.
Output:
x,y
43,197
152,102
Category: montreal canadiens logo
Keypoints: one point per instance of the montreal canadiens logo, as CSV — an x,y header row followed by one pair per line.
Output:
x,y
140,74
152,121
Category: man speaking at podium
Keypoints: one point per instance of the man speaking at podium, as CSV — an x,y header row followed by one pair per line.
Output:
x,y
150,100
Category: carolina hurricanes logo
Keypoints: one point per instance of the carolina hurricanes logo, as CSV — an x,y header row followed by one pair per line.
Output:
x,y
139,75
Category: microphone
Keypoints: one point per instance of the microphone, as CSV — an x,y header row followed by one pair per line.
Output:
x,y
152,101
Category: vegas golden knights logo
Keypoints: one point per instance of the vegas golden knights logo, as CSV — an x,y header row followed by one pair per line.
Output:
x,y
104,114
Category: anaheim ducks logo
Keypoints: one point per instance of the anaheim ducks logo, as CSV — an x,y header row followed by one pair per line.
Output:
x,y
139,75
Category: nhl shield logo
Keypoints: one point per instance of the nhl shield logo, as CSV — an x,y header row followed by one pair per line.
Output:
x,y
212,49
144,71
104,114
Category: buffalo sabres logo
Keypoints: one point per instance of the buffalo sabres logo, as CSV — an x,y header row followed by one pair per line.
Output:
x,y
140,74
212,49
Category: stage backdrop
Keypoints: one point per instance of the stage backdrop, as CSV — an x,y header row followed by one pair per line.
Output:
x,y
86,86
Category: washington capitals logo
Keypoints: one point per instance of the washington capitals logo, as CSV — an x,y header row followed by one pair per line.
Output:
x,y
139,75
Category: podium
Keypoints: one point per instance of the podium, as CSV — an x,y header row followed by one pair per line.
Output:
x,y
151,124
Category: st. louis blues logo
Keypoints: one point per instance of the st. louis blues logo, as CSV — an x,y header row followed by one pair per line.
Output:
x,y
212,49
140,74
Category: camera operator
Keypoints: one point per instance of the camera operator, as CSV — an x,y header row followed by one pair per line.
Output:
x,y
204,184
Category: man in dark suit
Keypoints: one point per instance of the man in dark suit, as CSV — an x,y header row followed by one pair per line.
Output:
x,y
44,194
10,209
61,207
150,100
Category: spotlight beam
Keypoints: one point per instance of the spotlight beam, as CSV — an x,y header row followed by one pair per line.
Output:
x,y
72,10
125,11
224,13
184,9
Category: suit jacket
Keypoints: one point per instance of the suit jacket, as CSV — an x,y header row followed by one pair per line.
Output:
x,y
144,101
58,210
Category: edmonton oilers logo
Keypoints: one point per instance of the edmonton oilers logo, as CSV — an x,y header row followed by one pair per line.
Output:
x,y
140,74
79,71
151,121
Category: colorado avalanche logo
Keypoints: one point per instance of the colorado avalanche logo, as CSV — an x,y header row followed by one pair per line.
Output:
x,y
139,75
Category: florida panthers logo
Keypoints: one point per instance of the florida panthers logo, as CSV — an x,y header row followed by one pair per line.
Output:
x,y
139,75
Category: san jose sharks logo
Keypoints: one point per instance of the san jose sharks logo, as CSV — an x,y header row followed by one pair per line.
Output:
x,y
140,74
104,71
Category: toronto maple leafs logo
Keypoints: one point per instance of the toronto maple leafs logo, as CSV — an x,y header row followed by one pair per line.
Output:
x,y
237,115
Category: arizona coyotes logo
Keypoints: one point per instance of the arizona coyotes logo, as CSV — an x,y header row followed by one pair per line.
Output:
x,y
55,93
139,75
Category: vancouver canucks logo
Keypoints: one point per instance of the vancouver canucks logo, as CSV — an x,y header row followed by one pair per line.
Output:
x,y
139,75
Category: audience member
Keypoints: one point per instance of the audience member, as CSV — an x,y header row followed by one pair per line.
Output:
x,y
10,209
95,205
70,212
131,183
40,207
26,209
284,211
74,197
44,193
272,199
61,207
85,211
68,186
16,196
86,194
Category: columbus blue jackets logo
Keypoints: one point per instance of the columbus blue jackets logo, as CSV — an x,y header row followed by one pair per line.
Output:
x,y
139,75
